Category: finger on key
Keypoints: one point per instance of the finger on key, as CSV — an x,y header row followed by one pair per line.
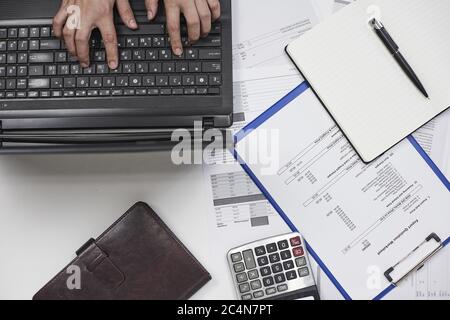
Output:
x,y
82,37
69,39
108,31
214,6
126,13
60,19
173,27
205,16
192,21
152,8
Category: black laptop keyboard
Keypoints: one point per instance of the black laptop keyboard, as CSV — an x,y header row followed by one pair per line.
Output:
x,y
35,65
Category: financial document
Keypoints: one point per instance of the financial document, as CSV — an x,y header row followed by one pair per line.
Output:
x,y
259,39
358,218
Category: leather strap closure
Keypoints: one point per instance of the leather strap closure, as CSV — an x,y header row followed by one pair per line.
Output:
x,y
99,264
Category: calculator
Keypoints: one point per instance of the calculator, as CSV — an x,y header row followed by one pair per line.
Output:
x,y
275,268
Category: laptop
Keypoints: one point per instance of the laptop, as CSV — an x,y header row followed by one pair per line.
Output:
x,y
49,103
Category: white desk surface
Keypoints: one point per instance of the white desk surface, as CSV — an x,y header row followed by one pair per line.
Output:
x,y
52,204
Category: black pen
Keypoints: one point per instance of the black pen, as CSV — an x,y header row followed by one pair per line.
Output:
x,y
395,51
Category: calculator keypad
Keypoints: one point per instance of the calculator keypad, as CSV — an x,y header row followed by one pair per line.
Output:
x,y
270,267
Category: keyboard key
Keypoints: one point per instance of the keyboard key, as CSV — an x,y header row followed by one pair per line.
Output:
x,y
11,71
23,33
168,67
61,57
201,80
50,44
246,297
95,82
282,287
211,67
276,268
249,259
271,247
155,67
149,81
268,281
259,251
189,91
11,58
36,70
295,242
56,83
239,267
41,57
274,258
286,254
162,80
63,70
210,41
34,45
45,94
303,272
175,81
159,42
81,93
2,58
69,93
202,91
210,54
291,275
3,46
279,278
82,82
75,69
265,271
51,70
236,257
33,94
256,284
2,84
43,83
46,32
21,94
270,291
70,82
288,265
153,92
258,294
56,94
166,91
34,32
142,67
165,54
215,80
129,92
12,45
10,95
263,261
253,274
192,54
298,252
3,33
181,67
13,33
282,245
195,67
132,42
300,262
188,81
122,81
117,92
105,93
245,287
22,45
10,84
141,92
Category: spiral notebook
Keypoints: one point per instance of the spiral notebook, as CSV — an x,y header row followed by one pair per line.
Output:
x,y
359,82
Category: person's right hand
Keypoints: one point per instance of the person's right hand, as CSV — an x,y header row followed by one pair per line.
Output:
x,y
93,14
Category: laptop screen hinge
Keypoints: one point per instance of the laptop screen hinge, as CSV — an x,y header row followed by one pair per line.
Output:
x,y
208,123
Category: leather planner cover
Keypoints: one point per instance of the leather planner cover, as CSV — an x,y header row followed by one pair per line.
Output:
x,y
138,257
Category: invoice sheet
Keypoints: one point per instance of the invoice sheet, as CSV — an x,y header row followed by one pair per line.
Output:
x,y
359,219
263,28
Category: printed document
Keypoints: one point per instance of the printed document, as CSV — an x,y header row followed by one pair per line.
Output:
x,y
360,219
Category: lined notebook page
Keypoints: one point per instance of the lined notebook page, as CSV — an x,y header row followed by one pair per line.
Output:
x,y
361,84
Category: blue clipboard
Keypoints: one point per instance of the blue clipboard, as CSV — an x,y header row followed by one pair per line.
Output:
x,y
266,116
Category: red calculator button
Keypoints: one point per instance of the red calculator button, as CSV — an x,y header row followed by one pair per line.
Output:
x,y
296,241
298,252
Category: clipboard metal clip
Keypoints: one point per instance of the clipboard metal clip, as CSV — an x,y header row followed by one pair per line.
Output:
x,y
424,251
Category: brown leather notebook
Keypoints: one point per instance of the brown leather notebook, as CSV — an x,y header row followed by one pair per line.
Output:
x,y
138,257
